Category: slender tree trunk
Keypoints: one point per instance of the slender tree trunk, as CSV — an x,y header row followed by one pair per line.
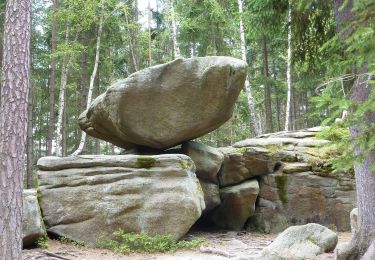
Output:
x,y
364,172
52,81
176,47
132,38
289,68
267,89
250,100
60,117
13,124
149,33
93,75
63,128
29,147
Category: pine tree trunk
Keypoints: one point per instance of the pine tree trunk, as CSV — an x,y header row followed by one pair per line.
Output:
x,y
29,144
267,89
93,75
250,100
52,80
176,47
13,124
364,173
288,71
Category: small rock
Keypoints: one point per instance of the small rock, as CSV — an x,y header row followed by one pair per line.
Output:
x,y
207,160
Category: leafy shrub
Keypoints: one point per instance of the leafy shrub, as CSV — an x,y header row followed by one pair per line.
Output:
x,y
126,243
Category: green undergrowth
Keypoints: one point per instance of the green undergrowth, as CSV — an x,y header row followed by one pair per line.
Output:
x,y
42,242
125,243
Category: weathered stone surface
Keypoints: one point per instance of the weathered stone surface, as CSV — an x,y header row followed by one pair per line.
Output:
x,y
211,195
32,223
300,242
167,104
207,160
238,204
300,198
296,185
354,221
151,194
245,163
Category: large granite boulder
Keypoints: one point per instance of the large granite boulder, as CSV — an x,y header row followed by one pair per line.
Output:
x,y
32,222
167,104
238,204
211,195
300,242
84,197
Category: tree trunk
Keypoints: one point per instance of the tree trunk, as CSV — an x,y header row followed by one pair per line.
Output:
x,y
364,173
93,75
29,144
176,47
289,68
52,80
149,17
60,117
133,37
250,100
267,89
13,124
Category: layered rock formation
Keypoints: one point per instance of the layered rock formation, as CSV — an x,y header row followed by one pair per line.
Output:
x,y
85,197
167,104
264,184
304,189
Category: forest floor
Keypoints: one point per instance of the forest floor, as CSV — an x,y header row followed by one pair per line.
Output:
x,y
219,246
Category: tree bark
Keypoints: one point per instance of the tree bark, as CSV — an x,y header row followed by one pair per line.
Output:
x,y
13,124
267,89
93,75
250,100
29,144
289,68
364,173
52,80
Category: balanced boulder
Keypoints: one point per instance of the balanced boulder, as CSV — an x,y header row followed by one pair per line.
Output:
x,y
151,194
167,104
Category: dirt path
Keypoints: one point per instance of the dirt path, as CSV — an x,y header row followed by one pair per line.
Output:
x,y
219,245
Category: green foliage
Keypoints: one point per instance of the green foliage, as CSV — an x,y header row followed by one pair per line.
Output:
x,y
340,151
126,243
42,242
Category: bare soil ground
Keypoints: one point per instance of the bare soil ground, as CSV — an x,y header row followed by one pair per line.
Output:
x,y
219,246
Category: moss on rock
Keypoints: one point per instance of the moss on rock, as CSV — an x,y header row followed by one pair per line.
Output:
x,y
281,182
145,162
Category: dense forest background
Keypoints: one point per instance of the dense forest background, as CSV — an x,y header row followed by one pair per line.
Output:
x,y
81,47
